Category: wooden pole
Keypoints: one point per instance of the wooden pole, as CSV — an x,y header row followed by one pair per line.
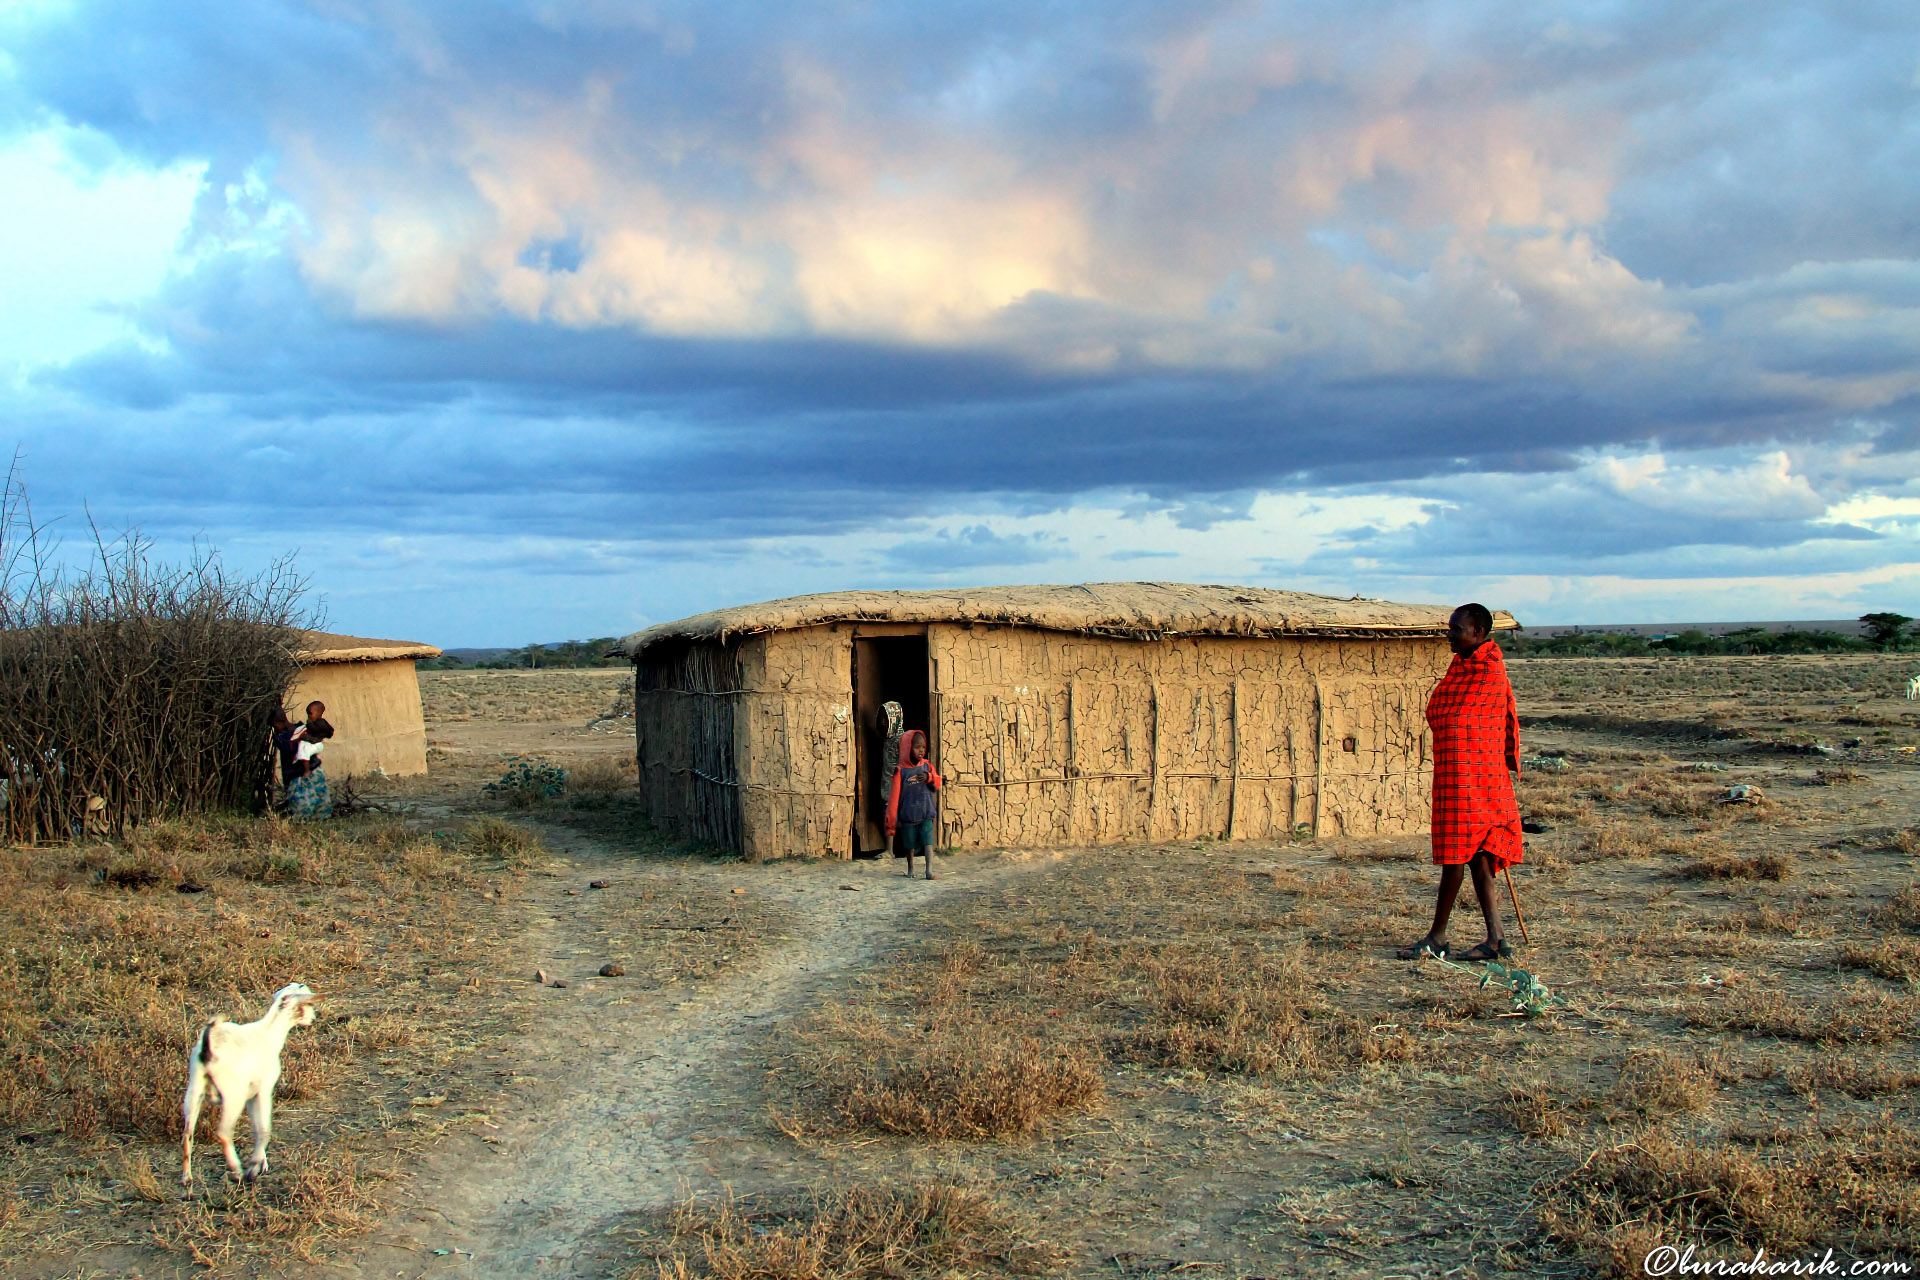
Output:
x,y
1319,753
1233,785
1524,935
1072,770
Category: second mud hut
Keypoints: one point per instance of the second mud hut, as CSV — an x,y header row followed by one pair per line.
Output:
x,y
1059,715
373,701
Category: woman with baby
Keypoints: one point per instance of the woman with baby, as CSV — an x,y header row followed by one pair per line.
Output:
x,y
299,748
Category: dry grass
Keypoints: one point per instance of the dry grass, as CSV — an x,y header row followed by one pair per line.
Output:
x,y
1232,1010
1605,841
1256,1035
1535,1111
502,843
953,1072
114,965
324,1195
1655,1082
598,777
1727,866
1842,1073
1732,1199
971,1087
1860,1014
991,1038
848,1233
1902,910
1895,959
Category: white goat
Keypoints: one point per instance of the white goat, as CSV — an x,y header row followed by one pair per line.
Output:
x,y
1913,688
242,1063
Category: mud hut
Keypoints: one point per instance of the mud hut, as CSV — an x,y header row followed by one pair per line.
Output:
x,y
1059,715
373,701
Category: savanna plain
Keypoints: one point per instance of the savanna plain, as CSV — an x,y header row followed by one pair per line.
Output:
x,y
553,1043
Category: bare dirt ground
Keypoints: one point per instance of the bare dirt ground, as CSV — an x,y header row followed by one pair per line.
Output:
x,y
1731,1060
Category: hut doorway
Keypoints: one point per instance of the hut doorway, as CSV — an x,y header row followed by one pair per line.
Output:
x,y
886,668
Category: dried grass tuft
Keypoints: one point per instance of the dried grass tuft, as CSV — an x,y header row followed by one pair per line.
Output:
x,y
1654,1082
599,777
1726,866
1731,1200
1902,910
1240,1011
313,1196
1895,959
1843,1073
848,1233
507,843
971,1089
1858,1014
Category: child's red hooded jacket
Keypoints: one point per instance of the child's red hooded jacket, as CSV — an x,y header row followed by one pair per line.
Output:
x,y
910,796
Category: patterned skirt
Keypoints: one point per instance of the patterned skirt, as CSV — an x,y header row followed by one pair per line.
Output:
x,y
307,797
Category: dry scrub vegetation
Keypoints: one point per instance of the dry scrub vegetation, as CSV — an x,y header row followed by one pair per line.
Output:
x,y
117,954
1201,1055
844,1233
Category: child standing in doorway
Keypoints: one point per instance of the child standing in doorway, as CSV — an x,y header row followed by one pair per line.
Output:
x,y
912,802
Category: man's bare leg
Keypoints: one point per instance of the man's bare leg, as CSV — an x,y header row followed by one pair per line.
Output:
x,y
1487,889
1436,939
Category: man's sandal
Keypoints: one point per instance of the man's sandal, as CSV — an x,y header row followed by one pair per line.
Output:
x,y
1488,950
1422,950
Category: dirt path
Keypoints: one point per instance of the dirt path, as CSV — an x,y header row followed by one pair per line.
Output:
x,y
622,1102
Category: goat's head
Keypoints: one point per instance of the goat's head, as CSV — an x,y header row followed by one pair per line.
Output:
x,y
297,1000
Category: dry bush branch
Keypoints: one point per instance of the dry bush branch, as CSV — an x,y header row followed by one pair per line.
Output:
x,y
132,692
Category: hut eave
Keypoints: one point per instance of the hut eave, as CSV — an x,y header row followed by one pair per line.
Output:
x,y
324,646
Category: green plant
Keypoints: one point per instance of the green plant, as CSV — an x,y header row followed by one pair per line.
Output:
x,y
1530,996
528,781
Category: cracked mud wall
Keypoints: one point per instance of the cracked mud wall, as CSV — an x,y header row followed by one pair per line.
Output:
x,y
747,745
1050,739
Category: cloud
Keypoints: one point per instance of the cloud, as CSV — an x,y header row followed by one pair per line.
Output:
x,y
974,547
972,289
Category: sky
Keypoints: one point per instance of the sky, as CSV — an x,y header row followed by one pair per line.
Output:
x,y
523,321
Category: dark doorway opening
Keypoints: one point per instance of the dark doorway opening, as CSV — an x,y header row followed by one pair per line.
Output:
x,y
885,669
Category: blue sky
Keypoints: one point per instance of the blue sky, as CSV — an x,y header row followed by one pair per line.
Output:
x,y
525,320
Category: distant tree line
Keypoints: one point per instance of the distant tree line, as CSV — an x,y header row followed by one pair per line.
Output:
x,y
1884,632
537,657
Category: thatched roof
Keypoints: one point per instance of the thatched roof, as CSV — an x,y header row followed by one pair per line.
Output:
x,y
1133,610
325,646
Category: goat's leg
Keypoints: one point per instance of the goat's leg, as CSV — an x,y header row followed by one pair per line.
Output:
x,y
230,1107
260,1115
190,1118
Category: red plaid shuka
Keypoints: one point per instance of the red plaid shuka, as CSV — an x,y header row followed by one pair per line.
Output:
x,y
1476,740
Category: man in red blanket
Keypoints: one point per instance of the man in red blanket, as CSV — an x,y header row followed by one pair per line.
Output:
x,y
1476,754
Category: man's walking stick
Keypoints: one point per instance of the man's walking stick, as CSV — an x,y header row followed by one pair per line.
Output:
x,y
1525,936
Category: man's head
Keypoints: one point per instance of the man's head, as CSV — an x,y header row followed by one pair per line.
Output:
x,y
279,719
1469,628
